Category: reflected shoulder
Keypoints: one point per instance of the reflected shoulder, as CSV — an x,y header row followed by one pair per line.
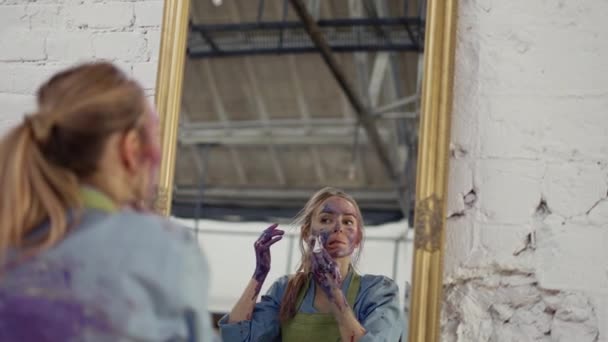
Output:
x,y
372,281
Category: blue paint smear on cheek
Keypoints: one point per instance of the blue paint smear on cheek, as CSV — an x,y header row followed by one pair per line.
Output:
x,y
325,237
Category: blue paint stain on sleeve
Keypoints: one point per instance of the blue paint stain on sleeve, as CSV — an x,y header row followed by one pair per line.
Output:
x,y
43,316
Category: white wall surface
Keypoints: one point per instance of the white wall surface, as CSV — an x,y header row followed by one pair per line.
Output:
x,y
527,256
40,37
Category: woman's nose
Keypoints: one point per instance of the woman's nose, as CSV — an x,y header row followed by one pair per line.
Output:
x,y
337,227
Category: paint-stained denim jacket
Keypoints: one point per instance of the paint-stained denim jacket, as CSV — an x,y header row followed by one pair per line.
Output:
x,y
376,307
117,276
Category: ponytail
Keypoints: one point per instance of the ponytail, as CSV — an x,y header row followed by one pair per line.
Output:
x,y
34,190
43,160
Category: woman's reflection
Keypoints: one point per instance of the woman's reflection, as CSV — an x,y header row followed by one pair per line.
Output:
x,y
326,300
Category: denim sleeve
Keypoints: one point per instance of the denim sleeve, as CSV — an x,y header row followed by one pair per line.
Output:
x,y
192,282
122,276
264,324
177,282
380,312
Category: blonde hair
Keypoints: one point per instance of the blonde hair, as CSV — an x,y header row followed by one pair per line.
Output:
x,y
304,220
43,159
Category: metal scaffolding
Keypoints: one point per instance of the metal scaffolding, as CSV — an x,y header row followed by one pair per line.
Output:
x,y
289,37
374,39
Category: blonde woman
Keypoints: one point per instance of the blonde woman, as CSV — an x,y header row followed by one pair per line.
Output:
x,y
326,300
81,259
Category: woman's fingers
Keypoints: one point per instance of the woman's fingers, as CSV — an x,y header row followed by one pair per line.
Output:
x,y
271,228
318,247
328,259
269,232
276,232
317,259
273,241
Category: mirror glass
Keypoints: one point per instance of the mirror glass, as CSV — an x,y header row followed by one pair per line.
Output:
x,y
266,121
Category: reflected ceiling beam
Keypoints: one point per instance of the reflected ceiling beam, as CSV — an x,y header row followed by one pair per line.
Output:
x,y
364,115
261,108
305,124
314,8
264,118
297,136
360,59
220,109
283,196
290,37
391,107
305,115
302,105
193,151
377,77
387,83
355,8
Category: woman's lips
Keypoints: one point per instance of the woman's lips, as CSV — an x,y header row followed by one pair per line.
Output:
x,y
335,242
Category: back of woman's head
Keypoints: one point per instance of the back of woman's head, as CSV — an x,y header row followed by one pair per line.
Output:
x,y
43,159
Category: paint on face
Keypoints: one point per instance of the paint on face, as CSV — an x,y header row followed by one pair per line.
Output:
x,y
337,225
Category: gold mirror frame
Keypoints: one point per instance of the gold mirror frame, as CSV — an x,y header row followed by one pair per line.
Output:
x,y
433,150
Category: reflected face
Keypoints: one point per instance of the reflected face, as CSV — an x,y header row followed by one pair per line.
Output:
x,y
337,223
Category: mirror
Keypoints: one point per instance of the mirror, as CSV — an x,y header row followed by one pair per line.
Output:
x,y
280,98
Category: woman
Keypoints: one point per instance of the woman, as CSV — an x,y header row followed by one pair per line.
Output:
x,y
82,261
326,300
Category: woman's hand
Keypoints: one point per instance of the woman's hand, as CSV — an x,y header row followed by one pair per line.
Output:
x,y
243,309
326,274
262,252
325,271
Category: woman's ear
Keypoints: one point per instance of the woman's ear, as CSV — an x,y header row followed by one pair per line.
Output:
x,y
130,150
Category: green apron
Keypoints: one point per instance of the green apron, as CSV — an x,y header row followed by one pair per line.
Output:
x,y
318,327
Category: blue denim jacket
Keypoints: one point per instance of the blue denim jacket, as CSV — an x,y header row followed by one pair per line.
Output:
x,y
376,307
117,276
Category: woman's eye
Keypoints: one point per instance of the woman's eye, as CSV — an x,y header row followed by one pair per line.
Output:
x,y
325,220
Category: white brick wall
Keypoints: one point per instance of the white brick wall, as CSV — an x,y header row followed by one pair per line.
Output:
x,y
39,37
527,260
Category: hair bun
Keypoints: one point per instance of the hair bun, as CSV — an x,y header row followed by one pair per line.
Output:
x,y
39,126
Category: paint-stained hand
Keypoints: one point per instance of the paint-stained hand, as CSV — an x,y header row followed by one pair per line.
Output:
x,y
262,251
325,270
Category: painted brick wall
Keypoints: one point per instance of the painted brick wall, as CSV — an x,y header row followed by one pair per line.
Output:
x,y
527,256
40,37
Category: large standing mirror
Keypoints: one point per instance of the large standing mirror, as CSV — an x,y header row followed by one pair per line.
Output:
x,y
264,102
